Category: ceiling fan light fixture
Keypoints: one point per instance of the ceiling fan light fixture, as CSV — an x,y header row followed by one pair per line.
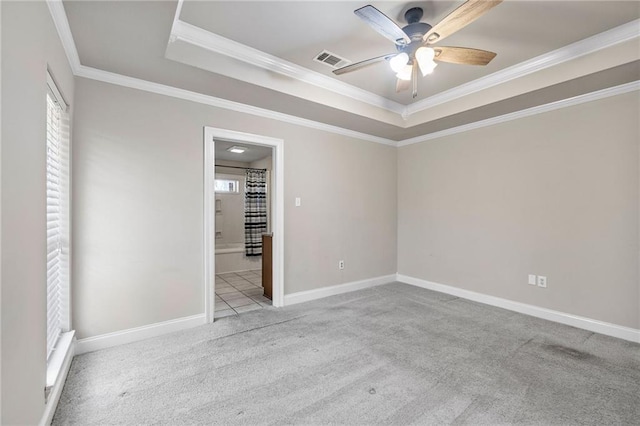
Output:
x,y
428,68
411,42
424,56
405,73
399,61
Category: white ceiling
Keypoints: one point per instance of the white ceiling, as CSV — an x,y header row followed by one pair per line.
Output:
x,y
259,53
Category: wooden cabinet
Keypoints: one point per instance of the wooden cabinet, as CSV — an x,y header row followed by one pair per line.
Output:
x,y
267,265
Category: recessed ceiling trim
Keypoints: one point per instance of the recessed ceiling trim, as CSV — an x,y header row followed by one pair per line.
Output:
x,y
58,14
576,100
174,92
56,9
609,38
218,44
213,42
176,16
161,89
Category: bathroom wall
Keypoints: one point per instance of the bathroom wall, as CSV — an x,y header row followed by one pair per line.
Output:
x,y
230,218
230,206
263,163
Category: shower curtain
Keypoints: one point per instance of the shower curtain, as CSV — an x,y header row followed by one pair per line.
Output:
x,y
255,211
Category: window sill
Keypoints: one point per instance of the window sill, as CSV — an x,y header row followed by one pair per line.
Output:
x,y
58,357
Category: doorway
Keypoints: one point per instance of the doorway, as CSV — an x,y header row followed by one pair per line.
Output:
x,y
230,178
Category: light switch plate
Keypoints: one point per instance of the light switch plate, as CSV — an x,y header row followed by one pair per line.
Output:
x,y
542,281
533,280
298,202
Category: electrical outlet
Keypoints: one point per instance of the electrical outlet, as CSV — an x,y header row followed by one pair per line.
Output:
x,y
542,281
532,279
341,264
298,202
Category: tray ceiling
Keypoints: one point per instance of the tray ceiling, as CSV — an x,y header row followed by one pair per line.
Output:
x,y
297,31
261,54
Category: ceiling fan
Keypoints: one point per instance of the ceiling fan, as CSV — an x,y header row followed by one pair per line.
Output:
x,y
414,40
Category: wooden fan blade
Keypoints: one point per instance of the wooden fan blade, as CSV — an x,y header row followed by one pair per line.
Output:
x,y
362,64
382,24
463,55
459,18
402,85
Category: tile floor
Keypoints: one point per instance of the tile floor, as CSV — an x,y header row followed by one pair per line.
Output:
x,y
238,292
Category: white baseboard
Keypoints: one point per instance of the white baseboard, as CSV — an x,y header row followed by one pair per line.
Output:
x,y
621,332
56,391
319,293
130,335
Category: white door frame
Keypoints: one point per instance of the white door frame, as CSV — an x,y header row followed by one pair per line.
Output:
x,y
277,212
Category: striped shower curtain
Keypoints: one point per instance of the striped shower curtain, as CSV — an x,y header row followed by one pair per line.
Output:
x,y
255,211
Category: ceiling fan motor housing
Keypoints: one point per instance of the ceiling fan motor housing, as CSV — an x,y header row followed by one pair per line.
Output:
x,y
415,30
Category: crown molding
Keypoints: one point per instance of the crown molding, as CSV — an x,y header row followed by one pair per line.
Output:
x,y
617,35
576,100
56,9
174,92
213,42
572,51
176,16
207,40
161,89
59,16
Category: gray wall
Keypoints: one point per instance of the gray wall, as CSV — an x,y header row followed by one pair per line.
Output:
x,y
138,184
29,44
555,194
230,221
230,218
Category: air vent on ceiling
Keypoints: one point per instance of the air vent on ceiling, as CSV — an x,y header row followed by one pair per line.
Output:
x,y
330,59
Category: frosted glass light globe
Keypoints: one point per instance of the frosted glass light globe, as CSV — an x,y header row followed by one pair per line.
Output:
x,y
399,61
424,56
405,73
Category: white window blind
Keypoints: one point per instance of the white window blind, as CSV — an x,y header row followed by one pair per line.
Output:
x,y
54,248
57,165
